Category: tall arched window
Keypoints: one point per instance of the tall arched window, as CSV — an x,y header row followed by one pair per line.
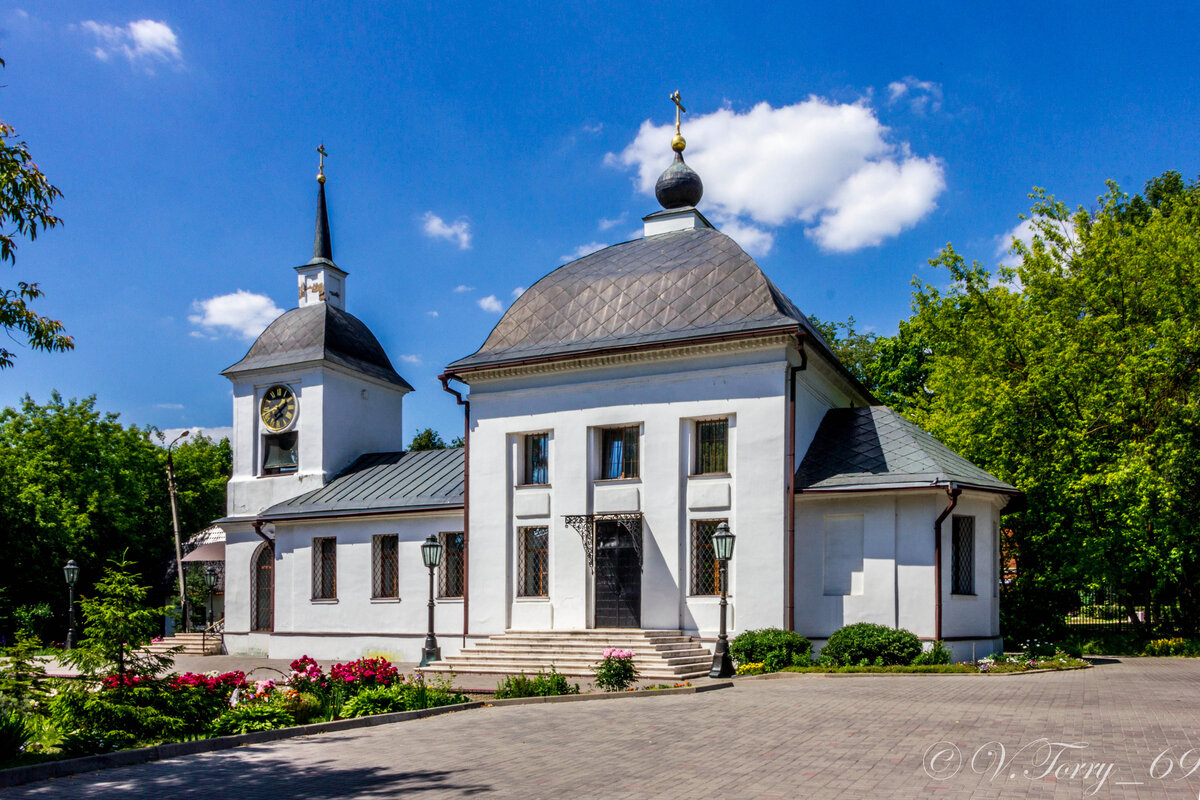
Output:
x,y
262,596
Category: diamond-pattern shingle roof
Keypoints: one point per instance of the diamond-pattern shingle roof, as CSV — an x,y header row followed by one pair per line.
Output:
x,y
319,332
384,482
875,447
675,286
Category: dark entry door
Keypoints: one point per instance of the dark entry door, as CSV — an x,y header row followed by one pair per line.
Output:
x,y
618,578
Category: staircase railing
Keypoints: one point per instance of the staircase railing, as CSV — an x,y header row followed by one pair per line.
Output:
x,y
217,629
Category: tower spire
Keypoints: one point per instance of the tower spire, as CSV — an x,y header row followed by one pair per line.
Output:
x,y
679,186
322,247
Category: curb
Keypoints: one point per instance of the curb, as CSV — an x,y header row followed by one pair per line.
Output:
x,y
780,675
575,698
141,755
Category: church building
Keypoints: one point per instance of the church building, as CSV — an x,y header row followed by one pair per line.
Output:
x,y
623,407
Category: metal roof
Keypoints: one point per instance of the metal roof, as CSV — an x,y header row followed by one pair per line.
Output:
x,y
675,286
319,332
384,482
875,447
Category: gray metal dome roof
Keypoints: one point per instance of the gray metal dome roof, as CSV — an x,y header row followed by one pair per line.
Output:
x,y
319,332
678,286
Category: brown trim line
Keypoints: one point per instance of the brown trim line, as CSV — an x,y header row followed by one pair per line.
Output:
x,y
959,638
387,635
381,512
927,487
633,348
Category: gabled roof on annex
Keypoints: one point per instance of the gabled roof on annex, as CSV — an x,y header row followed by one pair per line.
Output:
x,y
874,447
382,482
319,332
673,287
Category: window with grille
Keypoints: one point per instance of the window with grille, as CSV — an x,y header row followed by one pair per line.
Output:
x,y
450,571
385,565
963,556
534,562
712,446
537,461
619,451
706,570
324,568
280,454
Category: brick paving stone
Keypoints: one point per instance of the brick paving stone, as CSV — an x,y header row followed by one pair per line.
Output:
x,y
806,736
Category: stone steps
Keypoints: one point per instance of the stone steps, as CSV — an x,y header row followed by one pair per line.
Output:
x,y
192,644
661,655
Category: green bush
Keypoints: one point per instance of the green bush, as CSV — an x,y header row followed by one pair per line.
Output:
x,y
615,672
865,643
247,718
938,654
936,669
303,707
89,743
1172,647
145,713
540,685
774,648
375,700
15,733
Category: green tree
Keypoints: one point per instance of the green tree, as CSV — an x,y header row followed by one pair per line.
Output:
x,y
77,484
893,368
427,439
26,197
1074,376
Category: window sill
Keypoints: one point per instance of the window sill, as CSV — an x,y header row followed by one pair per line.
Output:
x,y
277,474
541,598
385,600
711,475
323,601
714,598
609,481
454,601
532,486
958,596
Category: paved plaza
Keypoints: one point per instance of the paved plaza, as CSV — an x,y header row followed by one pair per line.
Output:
x,y
1124,729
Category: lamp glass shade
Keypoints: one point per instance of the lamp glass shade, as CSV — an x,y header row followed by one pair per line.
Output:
x,y
431,551
210,577
723,542
71,572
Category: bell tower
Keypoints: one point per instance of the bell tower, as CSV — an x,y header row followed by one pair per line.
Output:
x,y
320,280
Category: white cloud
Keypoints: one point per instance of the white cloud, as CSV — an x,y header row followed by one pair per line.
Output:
x,y
462,287
811,162
170,406
517,292
490,303
606,223
216,433
582,250
145,42
432,313
921,96
411,358
753,240
458,231
242,314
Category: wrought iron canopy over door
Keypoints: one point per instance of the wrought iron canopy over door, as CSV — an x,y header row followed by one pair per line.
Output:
x,y
618,575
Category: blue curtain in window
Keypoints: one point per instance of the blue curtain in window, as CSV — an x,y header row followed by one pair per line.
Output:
x,y
613,458
537,464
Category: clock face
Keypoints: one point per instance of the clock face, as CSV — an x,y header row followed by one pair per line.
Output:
x,y
278,408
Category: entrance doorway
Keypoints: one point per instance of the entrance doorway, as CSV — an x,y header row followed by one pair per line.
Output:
x,y
618,577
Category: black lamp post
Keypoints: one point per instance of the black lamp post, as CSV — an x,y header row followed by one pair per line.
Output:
x,y
210,578
722,666
173,491
71,572
431,553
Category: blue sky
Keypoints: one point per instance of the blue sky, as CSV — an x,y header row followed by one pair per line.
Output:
x,y
475,147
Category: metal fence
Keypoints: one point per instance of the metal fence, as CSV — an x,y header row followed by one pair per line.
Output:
x,y
1100,611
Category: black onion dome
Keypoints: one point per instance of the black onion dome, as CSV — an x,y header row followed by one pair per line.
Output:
x,y
679,186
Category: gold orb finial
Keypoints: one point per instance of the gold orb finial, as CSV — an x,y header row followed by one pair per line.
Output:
x,y
321,168
678,143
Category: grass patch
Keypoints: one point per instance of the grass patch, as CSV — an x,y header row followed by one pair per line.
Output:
x,y
922,668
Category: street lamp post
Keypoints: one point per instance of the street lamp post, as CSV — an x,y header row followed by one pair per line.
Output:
x,y
71,572
171,489
431,553
722,665
210,579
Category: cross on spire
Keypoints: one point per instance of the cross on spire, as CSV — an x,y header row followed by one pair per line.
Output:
x,y
321,150
678,101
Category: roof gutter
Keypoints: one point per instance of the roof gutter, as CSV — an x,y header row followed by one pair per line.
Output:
x,y
789,600
362,512
952,491
445,378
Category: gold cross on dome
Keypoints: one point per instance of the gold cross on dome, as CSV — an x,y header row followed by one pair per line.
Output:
x,y
678,101
321,168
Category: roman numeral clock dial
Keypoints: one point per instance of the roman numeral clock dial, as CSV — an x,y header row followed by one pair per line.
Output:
x,y
278,408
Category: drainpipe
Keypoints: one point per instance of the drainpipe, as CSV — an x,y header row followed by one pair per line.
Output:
x,y
952,491
466,404
789,602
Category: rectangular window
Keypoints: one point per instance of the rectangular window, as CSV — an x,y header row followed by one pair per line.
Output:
x,y
537,458
712,446
385,565
962,557
324,568
619,451
279,453
450,571
706,570
534,561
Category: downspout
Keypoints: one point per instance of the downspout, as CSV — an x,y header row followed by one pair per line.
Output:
x,y
953,492
789,603
466,404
